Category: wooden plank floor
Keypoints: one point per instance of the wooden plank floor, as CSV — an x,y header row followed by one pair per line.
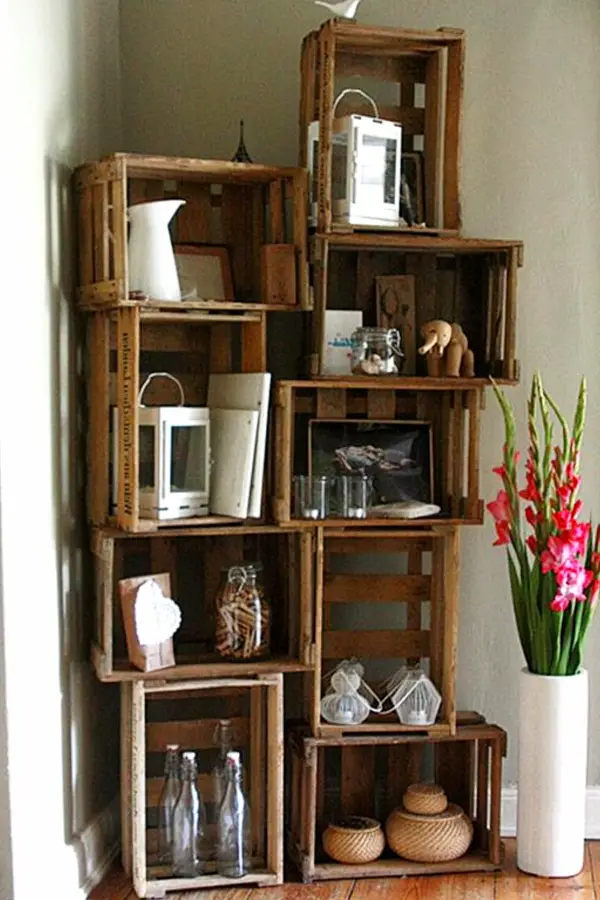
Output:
x,y
510,884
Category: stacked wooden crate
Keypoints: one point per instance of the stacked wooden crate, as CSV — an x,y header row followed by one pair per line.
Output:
x,y
364,769
260,213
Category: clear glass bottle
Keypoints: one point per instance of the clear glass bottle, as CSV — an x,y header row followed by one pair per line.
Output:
x,y
189,823
233,847
166,804
243,615
223,739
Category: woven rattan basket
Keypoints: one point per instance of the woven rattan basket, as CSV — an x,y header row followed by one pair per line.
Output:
x,y
438,838
425,799
354,840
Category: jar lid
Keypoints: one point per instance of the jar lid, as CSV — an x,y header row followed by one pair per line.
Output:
x,y
243,568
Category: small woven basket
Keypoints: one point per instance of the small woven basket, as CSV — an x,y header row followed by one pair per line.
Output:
x,y
438,838
425,799
354,840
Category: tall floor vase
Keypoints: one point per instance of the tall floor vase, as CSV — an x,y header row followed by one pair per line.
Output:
x,y
553,731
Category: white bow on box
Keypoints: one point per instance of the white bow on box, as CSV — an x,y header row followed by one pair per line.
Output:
x,y
157,617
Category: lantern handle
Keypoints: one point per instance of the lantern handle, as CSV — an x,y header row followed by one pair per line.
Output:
x,y
355,91
161,375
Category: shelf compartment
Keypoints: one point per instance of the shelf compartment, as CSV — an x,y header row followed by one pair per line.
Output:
x,y
425,69
367,776
194,561
123,346
466,280
186,712
409,582
452,407
242,206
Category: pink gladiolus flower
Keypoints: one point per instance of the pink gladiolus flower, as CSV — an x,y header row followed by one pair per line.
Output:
x,y
560,603
531,516
558,553
500,470
500,507
577,535
532,544
572,580
502,534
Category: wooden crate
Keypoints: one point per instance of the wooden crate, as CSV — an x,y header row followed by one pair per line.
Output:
x,y
123,347
452,406
194,560
466,280
425,69
242,206
186,712
412,577
367,776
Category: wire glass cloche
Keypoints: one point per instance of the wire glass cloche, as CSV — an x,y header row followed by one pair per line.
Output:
x,y
413,696
347,700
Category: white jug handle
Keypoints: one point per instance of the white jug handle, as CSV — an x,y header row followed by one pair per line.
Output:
x,y
161,375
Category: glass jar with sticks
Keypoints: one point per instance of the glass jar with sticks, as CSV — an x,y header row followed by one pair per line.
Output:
x,y
242,613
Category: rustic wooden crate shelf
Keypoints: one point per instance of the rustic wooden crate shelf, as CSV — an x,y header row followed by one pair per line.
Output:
x,y
123,347
367,776
186,712
418,596
426,69
194,560
466,280
242,206
452,409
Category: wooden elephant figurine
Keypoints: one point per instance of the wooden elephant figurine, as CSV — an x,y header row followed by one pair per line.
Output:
x,y
447,350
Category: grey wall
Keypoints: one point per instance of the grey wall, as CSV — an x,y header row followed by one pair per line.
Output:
x,y
58,726
530,170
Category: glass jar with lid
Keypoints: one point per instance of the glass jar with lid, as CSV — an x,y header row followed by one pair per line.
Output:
x,y
376,351
242,614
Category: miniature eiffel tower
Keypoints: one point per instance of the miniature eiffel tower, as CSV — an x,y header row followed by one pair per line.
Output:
x,y
241,154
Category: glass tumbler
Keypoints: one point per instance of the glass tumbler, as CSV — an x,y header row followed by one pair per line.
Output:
x,y
353,496
311,496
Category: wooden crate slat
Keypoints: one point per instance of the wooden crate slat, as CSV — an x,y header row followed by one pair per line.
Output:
x,y
192,735
453,134
194,220
390,644
412,589
357,780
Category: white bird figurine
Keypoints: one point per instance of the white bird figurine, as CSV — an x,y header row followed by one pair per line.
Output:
x,y
344,10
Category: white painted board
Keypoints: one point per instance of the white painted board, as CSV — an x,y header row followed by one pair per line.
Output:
x,y
246,391
233,443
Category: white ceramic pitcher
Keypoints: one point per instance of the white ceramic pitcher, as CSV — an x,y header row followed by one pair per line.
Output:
x,y
151,260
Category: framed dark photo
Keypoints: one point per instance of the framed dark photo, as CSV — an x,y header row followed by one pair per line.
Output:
x,y
397,455
414,171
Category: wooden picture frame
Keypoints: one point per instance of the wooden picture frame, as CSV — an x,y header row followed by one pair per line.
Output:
x,y
413,169
204,272
400,438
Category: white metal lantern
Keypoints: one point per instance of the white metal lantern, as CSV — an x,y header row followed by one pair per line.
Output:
x,y
365,168
174,458
414,697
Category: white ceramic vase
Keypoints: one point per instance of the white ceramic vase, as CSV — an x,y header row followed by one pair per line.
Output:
x,y
553,732
150,256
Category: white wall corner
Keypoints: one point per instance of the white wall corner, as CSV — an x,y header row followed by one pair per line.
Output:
x,y
592,812
98,845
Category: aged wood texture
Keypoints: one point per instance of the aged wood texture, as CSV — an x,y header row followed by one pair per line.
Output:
x,y
367,775
411,642
194,561
225,203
